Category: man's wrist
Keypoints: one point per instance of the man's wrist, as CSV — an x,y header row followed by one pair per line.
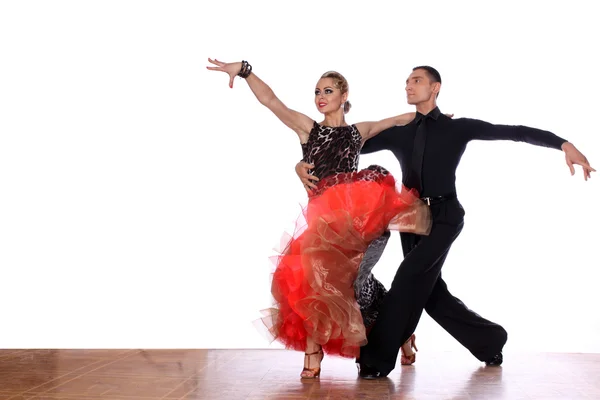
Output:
x,y
567,146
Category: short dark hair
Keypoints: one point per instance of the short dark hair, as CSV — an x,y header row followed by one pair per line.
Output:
x,y
432,73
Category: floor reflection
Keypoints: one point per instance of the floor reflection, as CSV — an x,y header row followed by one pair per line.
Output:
x,y
275,374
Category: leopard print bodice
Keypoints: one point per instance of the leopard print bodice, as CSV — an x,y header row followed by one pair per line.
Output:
x,y
335,151
332,150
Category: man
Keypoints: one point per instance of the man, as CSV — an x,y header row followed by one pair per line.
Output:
x,y
429,150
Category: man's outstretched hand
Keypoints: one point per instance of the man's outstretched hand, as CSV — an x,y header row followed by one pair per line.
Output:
x,y
574,156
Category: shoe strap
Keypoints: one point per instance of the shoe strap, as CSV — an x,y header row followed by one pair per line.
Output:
x,y
312,354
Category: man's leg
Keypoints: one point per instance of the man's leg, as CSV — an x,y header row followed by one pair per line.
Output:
x,y
484,339
410,291
409,242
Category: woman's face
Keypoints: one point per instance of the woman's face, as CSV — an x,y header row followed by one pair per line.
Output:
x,y
327,98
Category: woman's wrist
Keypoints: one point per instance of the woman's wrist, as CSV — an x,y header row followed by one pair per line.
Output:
x,y
245,70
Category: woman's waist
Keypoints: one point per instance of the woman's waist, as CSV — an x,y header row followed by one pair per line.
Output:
x,y
373,173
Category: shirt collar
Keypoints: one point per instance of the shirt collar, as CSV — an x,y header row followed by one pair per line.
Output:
x,y
435,113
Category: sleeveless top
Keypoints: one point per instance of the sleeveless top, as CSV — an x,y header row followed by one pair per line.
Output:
x,y
332,150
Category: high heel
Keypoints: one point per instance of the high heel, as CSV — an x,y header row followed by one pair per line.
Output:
x,y
409,359
312,373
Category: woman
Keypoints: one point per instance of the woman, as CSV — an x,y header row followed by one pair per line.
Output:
x,y
316,309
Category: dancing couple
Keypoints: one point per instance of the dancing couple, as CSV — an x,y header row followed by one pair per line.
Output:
x,y
326,299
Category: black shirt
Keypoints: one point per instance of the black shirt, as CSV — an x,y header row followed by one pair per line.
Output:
x,y
447,140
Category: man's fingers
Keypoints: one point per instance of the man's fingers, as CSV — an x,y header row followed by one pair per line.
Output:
x,y
584,164
570,164
587,169
309,187
308,183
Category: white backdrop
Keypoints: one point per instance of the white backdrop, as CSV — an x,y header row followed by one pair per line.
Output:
x,y
140,197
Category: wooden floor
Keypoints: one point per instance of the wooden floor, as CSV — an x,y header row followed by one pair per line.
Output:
x,y
274,374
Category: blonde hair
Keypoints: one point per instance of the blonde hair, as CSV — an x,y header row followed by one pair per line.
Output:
x,y
339,82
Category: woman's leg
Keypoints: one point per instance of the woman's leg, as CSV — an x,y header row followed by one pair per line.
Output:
x,y
312,360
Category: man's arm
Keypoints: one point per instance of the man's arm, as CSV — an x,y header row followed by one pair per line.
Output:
x,y
303,172
380,142
481,130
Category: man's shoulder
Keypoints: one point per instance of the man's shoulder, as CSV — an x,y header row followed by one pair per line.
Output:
x,y
464,121
458,120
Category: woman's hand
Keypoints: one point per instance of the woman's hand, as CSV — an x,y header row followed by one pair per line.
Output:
x,y
232,69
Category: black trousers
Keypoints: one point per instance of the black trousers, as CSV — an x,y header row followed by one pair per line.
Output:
x,y
418,286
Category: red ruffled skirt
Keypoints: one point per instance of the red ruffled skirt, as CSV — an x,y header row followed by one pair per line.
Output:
x,y
313,281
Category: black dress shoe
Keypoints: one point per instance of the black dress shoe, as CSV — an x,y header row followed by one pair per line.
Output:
x,y
495,361
368,372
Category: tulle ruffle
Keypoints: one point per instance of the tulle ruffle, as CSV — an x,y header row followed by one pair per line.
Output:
x,y
313,284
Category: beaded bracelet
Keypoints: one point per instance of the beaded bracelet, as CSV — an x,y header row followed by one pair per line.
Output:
x,y
246,69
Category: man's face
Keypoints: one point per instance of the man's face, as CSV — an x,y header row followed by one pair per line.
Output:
x,y
419,88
